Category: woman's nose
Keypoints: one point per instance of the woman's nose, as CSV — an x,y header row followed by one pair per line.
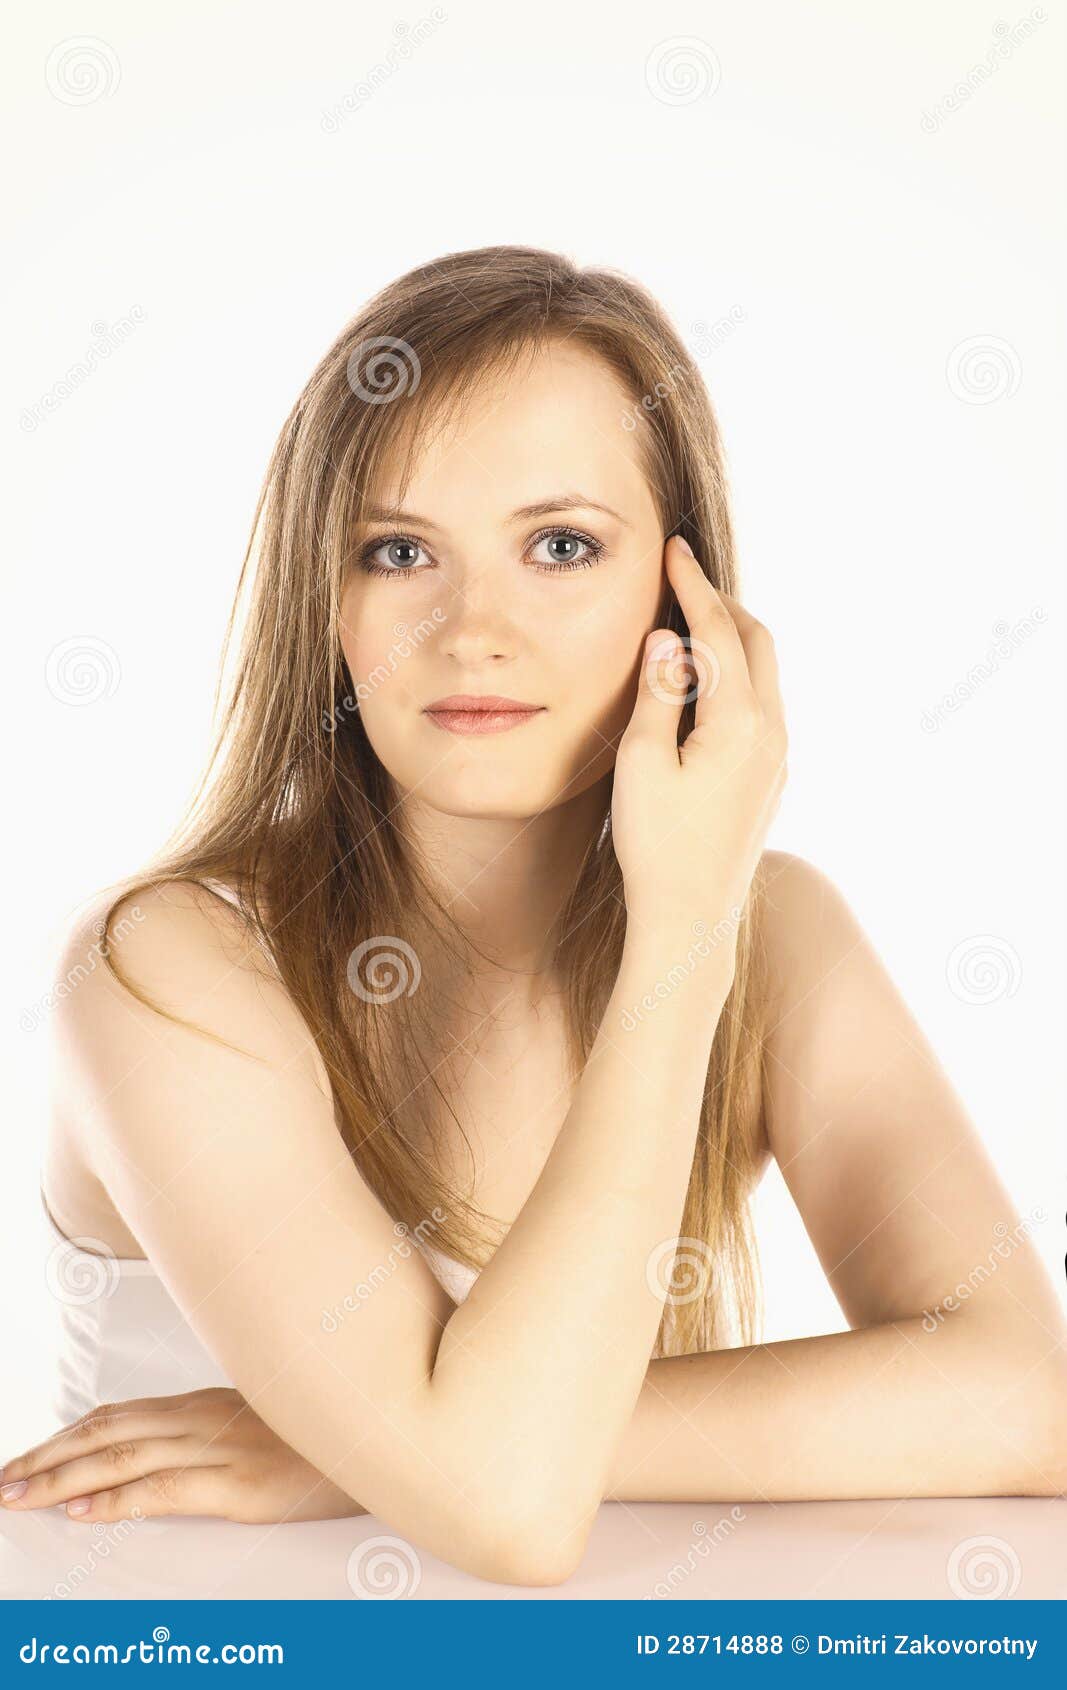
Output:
x,y
476,620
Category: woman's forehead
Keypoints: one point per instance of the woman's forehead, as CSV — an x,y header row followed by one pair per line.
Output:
x,y
553,427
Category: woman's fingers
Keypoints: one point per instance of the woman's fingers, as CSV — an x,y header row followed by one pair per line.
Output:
x,y
661,693
730,647
760,655
116,1463
113,1423
170,1490
716,652
131,1438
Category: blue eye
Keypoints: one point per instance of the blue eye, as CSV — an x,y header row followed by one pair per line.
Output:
x,y
401,551
568,537
576,551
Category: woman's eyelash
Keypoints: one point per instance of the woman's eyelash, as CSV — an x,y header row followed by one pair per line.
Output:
x,y
595,548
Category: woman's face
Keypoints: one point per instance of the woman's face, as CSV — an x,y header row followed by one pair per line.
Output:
x,y
529,566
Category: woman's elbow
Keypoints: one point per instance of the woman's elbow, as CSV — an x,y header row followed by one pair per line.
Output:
x,y
531,1546
1043,1443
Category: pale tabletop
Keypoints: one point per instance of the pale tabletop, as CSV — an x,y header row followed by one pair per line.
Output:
x,y
1007,1547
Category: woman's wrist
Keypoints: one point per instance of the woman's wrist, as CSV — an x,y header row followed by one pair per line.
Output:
x,y
672,971
679,946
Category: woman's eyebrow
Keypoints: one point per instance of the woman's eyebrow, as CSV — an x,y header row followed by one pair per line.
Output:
x,y
564,502
525,513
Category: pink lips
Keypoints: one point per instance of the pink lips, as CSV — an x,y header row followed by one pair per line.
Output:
x,y
480,713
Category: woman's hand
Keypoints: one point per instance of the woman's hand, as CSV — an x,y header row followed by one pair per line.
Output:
x,y
688,822
205,1452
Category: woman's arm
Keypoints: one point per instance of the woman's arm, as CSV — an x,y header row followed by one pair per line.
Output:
x,y
485,1433
954,1382
893,1410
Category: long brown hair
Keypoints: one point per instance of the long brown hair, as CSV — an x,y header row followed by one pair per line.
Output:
x,y
300,812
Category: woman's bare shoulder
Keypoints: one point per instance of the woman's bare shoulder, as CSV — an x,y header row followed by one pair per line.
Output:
x,y
182,974
799,910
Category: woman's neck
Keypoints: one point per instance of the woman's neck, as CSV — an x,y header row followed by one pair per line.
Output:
x,y
505,882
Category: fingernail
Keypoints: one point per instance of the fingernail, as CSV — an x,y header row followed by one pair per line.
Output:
x,y
78,1505
684,543
660,649
10,1492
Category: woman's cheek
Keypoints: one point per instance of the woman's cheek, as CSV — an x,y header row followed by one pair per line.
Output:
x,y
610,674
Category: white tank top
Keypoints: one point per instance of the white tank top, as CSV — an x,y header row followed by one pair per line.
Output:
x,y
120,1332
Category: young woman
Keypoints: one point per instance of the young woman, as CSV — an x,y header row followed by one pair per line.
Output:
x,y
402,1151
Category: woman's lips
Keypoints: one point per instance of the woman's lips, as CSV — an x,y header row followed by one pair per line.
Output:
x,y
481,721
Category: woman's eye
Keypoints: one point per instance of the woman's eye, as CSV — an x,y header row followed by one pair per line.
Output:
x,y
396,556
565,548
555,549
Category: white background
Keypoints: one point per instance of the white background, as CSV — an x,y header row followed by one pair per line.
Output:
x,y
897,497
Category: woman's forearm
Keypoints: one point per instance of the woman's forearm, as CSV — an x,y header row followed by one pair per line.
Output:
x,y
554,1339
884,1411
